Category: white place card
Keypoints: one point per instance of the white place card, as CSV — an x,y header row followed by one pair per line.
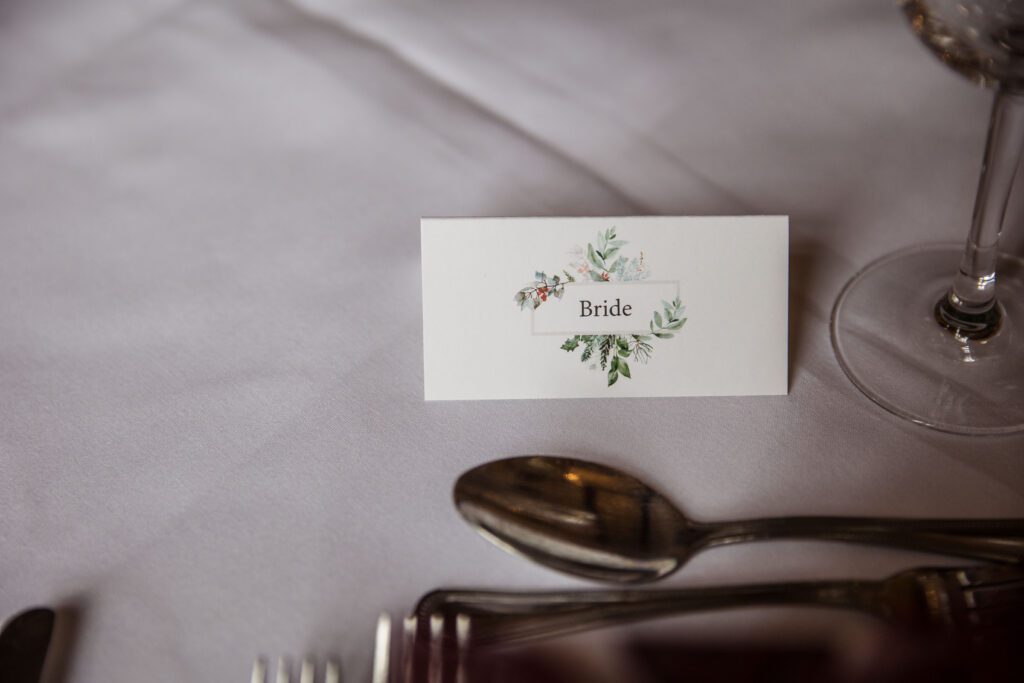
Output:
x,y
605,307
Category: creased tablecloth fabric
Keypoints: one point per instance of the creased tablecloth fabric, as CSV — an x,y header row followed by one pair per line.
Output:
x,y
212,433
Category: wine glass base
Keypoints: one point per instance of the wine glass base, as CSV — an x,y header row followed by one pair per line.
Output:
x,y
888,341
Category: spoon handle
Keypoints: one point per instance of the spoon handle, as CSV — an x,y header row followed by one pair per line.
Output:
x,y
993,540
511,617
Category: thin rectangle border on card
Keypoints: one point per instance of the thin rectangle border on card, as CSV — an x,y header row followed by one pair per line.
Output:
x,y
599,284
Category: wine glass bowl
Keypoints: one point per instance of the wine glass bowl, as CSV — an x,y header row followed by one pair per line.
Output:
x,y
983,39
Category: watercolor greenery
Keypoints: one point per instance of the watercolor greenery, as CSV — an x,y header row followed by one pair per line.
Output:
x,y
601,261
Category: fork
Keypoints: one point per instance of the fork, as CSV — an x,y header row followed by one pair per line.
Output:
x,y
307,671
434,657
978,601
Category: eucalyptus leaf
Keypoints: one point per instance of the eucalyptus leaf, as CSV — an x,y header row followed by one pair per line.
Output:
x,y
657,319
624,369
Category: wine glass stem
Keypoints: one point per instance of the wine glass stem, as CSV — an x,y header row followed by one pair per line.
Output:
x,y
969,308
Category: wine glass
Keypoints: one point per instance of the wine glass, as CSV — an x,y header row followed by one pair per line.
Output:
x,y
936,345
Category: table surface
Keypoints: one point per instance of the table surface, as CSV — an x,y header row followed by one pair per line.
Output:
x,y
212,433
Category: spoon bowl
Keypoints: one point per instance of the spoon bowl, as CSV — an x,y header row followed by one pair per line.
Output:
x,y
575,516
593,521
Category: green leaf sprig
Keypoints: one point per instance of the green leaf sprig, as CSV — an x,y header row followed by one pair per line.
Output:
x,y
663,326
602,257
542,288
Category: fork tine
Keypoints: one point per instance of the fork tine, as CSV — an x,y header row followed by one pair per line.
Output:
x,y
408,648
259,671
382,649
462,625
987,600
992,589
436,662
987,575
332,673
306,671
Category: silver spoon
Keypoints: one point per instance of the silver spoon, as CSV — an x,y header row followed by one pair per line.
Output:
x,y
594,521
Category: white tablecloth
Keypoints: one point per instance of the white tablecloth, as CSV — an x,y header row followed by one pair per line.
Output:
x,y
212,432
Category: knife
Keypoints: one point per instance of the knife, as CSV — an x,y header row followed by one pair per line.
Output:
x,y
23,645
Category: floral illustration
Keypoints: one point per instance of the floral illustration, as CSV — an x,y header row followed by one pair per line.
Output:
x,y
601,261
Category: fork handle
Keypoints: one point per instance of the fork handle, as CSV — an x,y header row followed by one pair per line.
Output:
x,y
993,540
511,617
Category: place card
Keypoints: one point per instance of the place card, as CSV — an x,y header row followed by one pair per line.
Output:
x,y
604,307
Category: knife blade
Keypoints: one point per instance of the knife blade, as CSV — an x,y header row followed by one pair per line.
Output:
x,y
23,645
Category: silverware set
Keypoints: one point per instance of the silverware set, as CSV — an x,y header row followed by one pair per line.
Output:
x,y
596,522
983,603
982,600
593,521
